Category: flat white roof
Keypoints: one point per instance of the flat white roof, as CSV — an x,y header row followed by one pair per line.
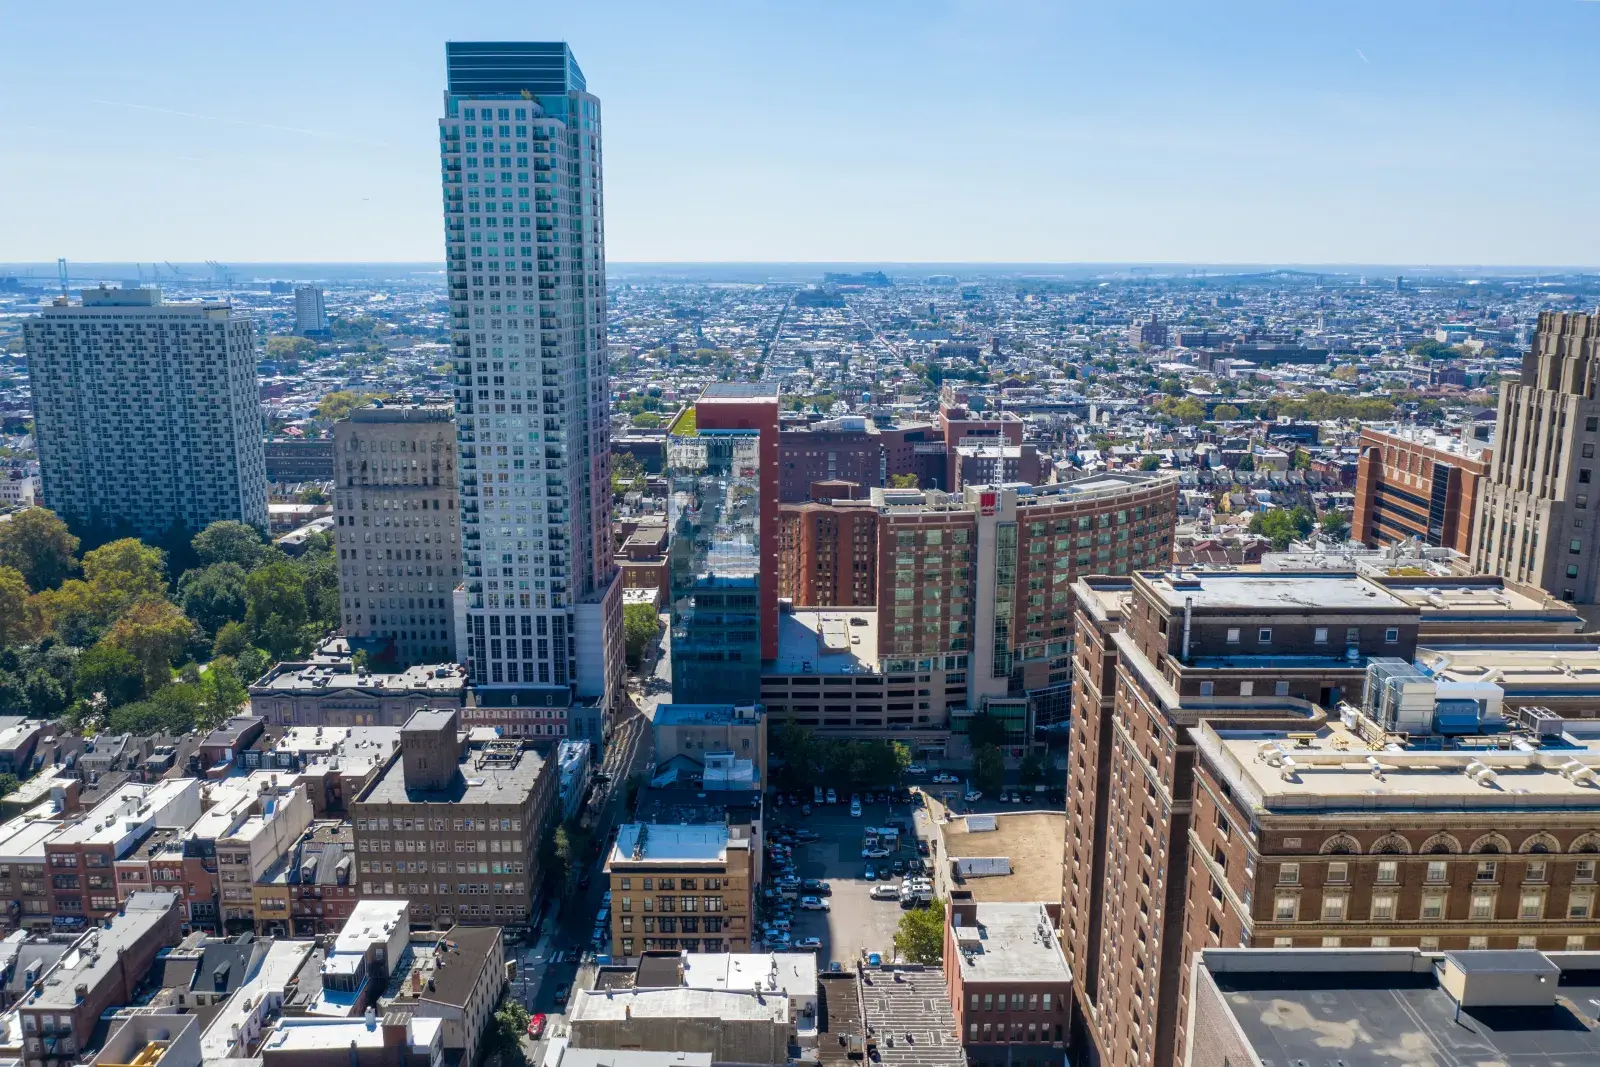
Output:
x,y
306,1034
793,973
22,839
670,843
282,962
370,921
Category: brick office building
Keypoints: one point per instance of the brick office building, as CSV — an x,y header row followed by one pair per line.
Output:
x,y
828,553
1155,656
1412,482
455,829
1009,984
1351,838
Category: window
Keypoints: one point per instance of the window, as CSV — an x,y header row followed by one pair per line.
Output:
x,y
1288,906
1583,475
1478,942
1247,689
1281,689
1572,570
1333,907
1487,869
1388,872
1433,905
1483,905
1233,635
1582,503
1588,450
1338,873
1581,904
1320,636
1391,636
1264,636
1532,906
1436,870
1575,941
1575,546
1288,874
1583,871
1383,906
1592,423
1380,942
1207,688
1535,872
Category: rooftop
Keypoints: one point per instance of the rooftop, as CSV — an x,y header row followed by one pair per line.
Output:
x,y
1522,672
1012,943
1032,841
740,391
646,843
919,1005
620,1004
431,679
370,921
22,839
827,641
792,973
1258,591
483,778
1337,767
1430,438
330,1036
94,957
690,714
1387,1006
610,1057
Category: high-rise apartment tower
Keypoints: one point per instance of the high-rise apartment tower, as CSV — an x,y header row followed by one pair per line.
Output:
x,y
146,413
398,528
310,315
519,145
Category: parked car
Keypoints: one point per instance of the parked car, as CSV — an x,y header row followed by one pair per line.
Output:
x,y
536,1026
855,809
899,866
946,777
561,994
885,891
922,847
916,867
833,798
806,835
917,769
813,904
874,853
808,944
817,886
869,874
974,794
805,809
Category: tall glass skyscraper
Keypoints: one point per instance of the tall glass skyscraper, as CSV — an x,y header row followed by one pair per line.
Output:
x,y
519,144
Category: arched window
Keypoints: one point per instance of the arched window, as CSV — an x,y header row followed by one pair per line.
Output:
x,y
1440,844
1341,845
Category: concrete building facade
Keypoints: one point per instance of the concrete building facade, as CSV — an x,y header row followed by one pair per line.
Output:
x,y
398,529
1530,522
146,413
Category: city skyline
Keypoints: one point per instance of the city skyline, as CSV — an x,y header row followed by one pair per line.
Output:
x,y
1432,134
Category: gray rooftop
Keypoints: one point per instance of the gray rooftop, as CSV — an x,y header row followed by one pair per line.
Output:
x,y
1301,1012
826,641
429,679
94,957
478,782
1279,591
1011,943
610,1057
740,391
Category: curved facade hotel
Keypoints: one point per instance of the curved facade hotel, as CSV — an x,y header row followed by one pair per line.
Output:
x,y
974,610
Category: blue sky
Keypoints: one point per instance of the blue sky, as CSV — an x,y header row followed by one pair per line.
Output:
x,y
1345,131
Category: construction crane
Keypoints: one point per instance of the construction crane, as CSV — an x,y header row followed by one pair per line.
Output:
x,y
61,269
176,273
220,274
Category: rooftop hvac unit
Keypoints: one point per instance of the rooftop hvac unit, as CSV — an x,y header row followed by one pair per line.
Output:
x,y
1399,697
1542,721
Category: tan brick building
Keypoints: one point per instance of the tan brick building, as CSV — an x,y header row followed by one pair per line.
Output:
x,y
455,829
686,888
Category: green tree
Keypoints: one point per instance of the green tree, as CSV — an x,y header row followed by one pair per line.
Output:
x,y
646,420
986,729
1032,771
311,494
1247,463
639,627
1150,463
1225,413
903,481
920,936
17,622
988,768
1277,526
221,691
338,404
110,672
228,541
232,640
214,596
122,572
1190,411
70,611
153,632
503,1038
1335,524
8,784
276,609
290,348
1348,373
38,544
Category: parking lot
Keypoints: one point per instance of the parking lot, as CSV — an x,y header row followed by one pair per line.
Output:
x,y
854,923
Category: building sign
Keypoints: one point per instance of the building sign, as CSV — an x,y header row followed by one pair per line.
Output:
x,y
67,922
986,503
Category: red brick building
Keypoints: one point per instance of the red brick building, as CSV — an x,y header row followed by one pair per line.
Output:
x,y
1412,482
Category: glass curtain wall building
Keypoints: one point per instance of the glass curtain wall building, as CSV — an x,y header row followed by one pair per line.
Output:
x,y
520,150
714,514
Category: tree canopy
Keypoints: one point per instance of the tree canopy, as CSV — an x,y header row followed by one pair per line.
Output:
x,y
920,935
39,545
